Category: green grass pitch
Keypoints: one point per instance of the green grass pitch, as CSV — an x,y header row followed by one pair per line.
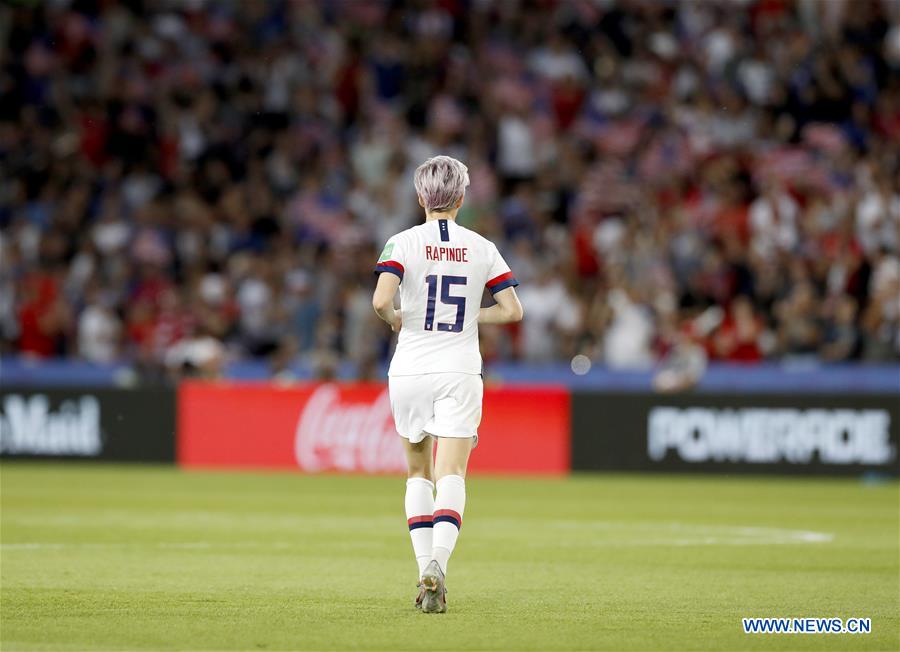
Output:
x,y
151,558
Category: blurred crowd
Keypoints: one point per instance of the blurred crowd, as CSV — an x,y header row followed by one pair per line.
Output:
x,y
187,183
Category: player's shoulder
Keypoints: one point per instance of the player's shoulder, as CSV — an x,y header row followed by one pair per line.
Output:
x,y
407,234
474,236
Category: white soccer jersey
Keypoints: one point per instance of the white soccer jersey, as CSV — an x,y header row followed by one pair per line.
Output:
x,y
443,269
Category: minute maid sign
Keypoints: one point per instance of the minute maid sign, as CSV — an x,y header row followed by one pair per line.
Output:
x,y
28,426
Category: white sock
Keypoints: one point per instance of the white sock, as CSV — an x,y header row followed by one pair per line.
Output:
x,y
419,511
449,505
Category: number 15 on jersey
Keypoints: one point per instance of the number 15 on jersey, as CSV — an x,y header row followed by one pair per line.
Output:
x,y
446,282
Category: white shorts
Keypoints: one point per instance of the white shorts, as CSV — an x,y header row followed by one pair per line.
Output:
x,y
443,405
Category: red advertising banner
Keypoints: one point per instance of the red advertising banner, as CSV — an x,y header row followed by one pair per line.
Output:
x,y
349,428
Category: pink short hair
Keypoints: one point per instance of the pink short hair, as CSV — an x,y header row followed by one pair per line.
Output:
x,y
441,181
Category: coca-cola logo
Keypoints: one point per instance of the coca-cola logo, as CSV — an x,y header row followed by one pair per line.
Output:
x,y
333,435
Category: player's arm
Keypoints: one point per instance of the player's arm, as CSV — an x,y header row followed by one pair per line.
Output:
x,y
383,300
506,310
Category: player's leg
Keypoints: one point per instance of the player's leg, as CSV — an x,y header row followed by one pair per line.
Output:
x,y
412,407
457,413
420,498
450,503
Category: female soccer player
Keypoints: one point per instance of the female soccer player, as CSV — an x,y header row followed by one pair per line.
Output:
x,y
441,270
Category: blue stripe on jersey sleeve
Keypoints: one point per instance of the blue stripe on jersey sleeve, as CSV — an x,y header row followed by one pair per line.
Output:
x,y
389,268
508,283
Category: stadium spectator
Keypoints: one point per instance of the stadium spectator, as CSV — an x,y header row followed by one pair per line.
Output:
x,y
179,174
99,329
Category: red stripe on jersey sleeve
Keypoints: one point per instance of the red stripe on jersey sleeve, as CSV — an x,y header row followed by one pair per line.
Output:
x,y
392,263
499,279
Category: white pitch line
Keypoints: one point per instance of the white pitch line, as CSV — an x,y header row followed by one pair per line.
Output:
x,y
165,545
623,533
